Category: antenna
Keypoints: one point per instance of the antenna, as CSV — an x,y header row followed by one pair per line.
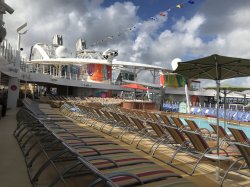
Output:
x,y
174,63
21,27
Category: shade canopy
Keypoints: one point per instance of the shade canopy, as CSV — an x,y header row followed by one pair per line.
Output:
x,y
135,86
229,88
215,67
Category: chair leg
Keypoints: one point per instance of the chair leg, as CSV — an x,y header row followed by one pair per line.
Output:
x,y
158,147
228,170
46,164
144,136
63,173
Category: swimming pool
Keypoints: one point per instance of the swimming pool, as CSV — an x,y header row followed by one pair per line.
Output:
x,y
203,123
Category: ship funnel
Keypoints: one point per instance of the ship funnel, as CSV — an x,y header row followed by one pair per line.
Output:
x,y
57,40
80,45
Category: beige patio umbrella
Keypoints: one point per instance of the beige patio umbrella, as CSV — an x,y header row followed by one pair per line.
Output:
x,y
215,67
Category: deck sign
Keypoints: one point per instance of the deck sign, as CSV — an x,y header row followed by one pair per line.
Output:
x,y
183,107
13,92
13,87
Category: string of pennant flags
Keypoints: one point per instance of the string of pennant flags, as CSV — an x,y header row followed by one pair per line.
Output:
x,y
134,27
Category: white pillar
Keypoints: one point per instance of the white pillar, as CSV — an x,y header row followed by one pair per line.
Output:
x,y
43,68
18,41
13,92
60,71
187,98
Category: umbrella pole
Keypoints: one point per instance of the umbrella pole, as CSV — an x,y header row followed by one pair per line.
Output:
x,y
187,99
135,94
217,122
225,96
134,99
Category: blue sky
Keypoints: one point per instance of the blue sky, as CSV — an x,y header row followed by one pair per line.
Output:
x,y
152,8
148,8
198,30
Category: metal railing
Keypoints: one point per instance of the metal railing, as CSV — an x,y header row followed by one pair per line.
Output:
x,y
13,58
9,53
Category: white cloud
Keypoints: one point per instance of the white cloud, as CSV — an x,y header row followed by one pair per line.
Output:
x,y
215,28
189,26
87,19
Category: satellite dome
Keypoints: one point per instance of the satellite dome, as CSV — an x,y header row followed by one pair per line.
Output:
x,y
62,52
174,63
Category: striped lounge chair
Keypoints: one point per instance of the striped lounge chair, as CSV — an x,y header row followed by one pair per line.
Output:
x,y
200,149
194,127
240,136
244,168
223,135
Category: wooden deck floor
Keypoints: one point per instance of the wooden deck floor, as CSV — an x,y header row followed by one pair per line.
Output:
x,y
13,171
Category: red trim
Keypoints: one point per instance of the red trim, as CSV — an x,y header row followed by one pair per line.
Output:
x,y
144,174
211,116
103,150
120,160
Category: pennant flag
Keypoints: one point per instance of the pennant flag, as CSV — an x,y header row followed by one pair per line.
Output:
x,y
131,29
162,14
179,6
191,2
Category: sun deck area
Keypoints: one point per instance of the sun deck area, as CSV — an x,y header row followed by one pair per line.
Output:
x,y
14,165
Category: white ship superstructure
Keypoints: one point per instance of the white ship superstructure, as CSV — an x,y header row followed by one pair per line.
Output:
x,y
86,72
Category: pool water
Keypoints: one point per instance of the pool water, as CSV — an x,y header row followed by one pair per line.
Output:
x,y
202,123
